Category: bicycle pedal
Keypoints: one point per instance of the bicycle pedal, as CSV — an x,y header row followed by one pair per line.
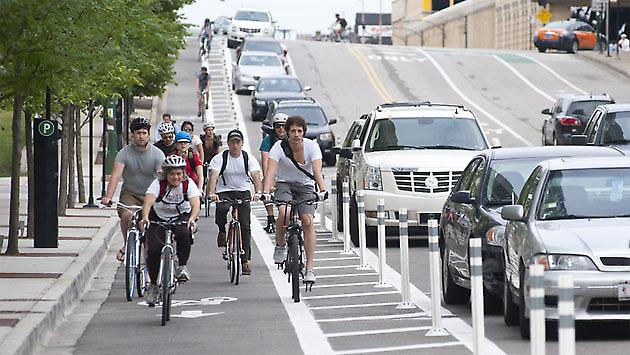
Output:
x,y
308,286
280,265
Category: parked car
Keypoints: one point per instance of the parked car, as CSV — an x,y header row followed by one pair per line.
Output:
x,y
250,22
263,44
572,217
221,25
568,116
252,66
318,123
411,155
569,36
273,88
493,179
608,125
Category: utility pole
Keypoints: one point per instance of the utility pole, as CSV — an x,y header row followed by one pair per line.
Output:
x,y
380,21
608,28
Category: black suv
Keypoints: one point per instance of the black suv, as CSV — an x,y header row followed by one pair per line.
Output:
x,y
318,124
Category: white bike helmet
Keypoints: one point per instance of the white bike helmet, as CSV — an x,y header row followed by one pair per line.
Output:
x,y
279,118
165,127
172,162
208,125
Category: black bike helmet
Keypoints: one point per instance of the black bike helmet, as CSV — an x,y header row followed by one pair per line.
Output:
x,y
139,123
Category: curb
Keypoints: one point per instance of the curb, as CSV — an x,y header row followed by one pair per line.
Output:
x,y
606,64
32,331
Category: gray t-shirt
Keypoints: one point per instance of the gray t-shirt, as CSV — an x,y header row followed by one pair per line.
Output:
x,y
287,172
140,167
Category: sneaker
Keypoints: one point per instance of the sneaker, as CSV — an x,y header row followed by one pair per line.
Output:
x,y
152,295
271,225
206,106
310,276
198,113
221,240
182,274
246,269
279,254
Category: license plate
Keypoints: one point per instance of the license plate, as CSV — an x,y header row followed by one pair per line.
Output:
x,y
623,292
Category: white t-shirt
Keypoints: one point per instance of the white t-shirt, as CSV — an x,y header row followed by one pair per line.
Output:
x,y
287,172
236,178
167,208
195,143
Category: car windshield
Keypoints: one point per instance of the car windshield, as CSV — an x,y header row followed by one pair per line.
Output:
x,y
616,128
261,60
558,25
586,193
583,109
273,84
506,179
425,133
313,115
263,46
251,16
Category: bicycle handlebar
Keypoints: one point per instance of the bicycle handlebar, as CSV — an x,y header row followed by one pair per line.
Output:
x,y
130,208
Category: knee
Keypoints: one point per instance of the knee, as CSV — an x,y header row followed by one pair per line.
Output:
x,y
307,220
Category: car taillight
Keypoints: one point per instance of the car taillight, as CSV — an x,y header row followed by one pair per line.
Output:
x,y
570,121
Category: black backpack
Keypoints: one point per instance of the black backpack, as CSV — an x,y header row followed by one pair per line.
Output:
x,y
343,22
225,160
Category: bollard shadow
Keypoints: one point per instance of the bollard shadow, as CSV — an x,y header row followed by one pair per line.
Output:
x,y
592,331
414,242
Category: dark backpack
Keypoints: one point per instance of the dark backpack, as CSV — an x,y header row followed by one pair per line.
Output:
x,y
225,160
343,22
289,153
163,186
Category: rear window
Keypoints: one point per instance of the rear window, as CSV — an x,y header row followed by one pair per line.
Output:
x,y
260,60
260,46
558,25
584,109
273,84
251,16
313,115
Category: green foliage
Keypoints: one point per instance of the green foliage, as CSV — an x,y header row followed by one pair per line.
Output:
x,y
5,143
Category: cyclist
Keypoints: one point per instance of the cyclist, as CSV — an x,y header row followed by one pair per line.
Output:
x,y
205,36
202,86
342,23
279,132
212,145
194,167
167,143
138,164
166,118
169,198
196,144
234,168
296,166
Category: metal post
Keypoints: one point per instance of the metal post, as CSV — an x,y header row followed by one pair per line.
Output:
x,y
537,309
566,317
404,261
90,203
322,216
104,156
476,283
361,222
608,28
334,237
346,218
382,256
436,282
380,22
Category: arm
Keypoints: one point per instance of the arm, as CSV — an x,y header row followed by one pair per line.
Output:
x,y
317,172
194,213
149,200
264,157
201,152
272,169
199,172
212,184
256,178
113,182
197,88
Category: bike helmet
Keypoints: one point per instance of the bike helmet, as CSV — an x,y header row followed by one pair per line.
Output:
x,y
208,125
140,123
172,162
279,118
166,127
183,137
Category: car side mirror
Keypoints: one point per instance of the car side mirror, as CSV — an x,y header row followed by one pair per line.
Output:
x,y
332,121
307,88
345,153
546,112
495,142
356,145
578,139
512,213
462,197
251,88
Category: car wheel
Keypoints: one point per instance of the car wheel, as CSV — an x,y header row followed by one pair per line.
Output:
x,y
544,139
523,321
575,46
542,49
555,139
510,310
371,237
451,292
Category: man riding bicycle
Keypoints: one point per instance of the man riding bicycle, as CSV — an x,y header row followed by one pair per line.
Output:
x,y
295,164
205,36
230,174
202,87
138,164
342,23
167,143
278,122
171,198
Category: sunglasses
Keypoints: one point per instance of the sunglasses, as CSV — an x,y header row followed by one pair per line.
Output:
x,y
187,129
278,126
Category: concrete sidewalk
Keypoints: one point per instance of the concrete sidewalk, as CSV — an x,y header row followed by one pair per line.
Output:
x,y
41,285
619,63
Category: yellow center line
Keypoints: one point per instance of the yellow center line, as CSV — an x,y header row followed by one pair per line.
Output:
x,y
371,74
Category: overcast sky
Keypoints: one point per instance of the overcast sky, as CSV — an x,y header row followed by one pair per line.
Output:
x,y
305,16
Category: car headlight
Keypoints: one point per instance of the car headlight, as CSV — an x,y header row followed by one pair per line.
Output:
x,y
261,102
565,262
372,179
495,235
326,137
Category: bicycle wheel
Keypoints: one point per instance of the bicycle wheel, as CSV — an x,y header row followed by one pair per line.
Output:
x,y
294,260
206,205
166,283
237,253
142,274
130,265
231,264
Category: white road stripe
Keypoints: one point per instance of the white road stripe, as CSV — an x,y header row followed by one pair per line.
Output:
x,y
471,102
376,331
328,251
552,72
524,79
336,267
362,305
340,258
399,348
343,285
423,315
349,295
346,275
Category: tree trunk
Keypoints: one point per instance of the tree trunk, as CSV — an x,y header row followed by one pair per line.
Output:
x,y
14,209
30,219
72,191
66,137
79,154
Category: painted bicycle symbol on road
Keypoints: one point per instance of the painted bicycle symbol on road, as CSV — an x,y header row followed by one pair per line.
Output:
x,y
208,301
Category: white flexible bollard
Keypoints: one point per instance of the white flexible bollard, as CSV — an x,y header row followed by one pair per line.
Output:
x,y
346,219
361,221
404,261
436,282
382,255
537,309
476,289
333,192
321,206
566,316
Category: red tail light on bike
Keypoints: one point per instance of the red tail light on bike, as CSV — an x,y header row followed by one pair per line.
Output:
x,y
570,121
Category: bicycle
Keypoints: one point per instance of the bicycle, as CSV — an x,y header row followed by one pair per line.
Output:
x,y
234,247
206,197
202,105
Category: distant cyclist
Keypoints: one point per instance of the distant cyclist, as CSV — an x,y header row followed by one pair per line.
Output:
x,y
278,122
202,87
205,36
170,198
167,143
212,144
231,175
195,145
194,167
296,166
138,164
342,23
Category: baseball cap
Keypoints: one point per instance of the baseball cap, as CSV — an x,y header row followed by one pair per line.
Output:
x,y
235,133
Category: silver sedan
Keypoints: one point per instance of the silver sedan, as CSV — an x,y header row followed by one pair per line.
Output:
x,y
573,217
251,66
